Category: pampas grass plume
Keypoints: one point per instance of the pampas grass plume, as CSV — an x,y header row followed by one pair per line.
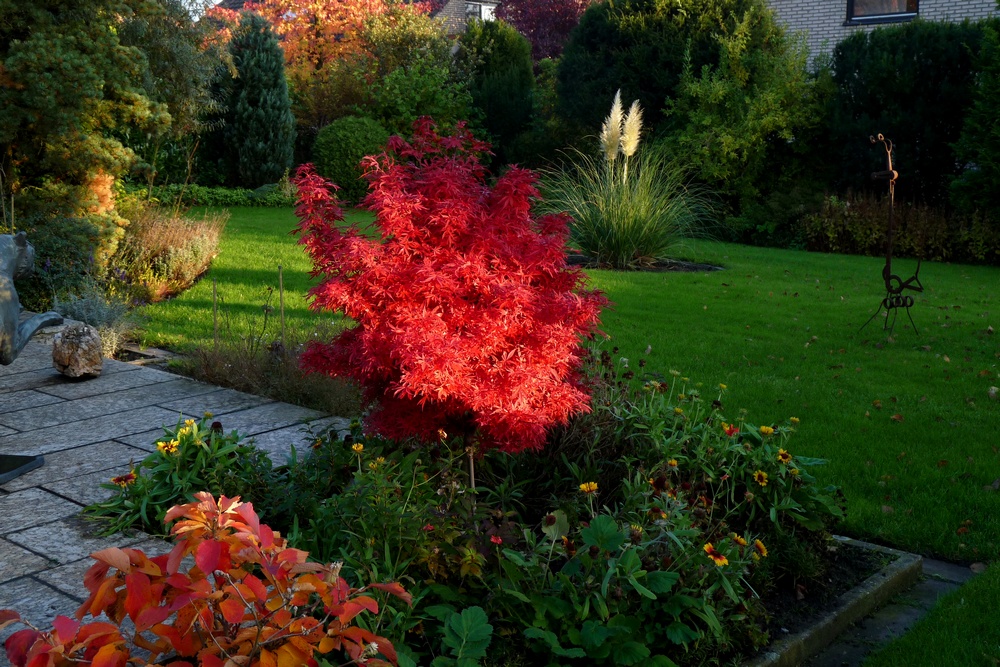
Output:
x,y
632,130
611,131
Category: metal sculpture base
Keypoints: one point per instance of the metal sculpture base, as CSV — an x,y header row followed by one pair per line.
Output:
x,y
15,465
891,304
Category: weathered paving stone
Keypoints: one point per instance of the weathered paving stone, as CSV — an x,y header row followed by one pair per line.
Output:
x,y
102,404
16,561
70,539
108,381
217,402
72,463
145,439
22,400
68,578
278,443
6,431
35,356
85,432
268,417
36,603
38,379
32,507
86,489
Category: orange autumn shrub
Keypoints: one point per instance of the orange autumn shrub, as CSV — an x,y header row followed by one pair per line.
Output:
x,y
245,600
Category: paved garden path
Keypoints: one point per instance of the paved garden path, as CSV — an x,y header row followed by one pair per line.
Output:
x,y
88,431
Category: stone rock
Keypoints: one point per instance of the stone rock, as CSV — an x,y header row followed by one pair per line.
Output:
x,y
76,351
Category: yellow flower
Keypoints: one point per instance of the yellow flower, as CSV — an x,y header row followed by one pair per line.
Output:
x,y
794,420
189,423
766,430
208,415
443,434
784,456
738,539
716,555
760,477
124,480
685,379
588,487
168,447
681,397
636,528
672,463
357,448
678,411
722,387
675,373
760,548
794,471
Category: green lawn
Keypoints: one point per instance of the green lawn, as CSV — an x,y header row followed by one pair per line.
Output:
x,y
906,422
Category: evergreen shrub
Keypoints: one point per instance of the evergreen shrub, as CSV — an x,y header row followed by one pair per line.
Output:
x,y
502,82
338,151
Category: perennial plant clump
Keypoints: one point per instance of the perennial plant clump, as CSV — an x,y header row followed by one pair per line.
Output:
x,y
469,321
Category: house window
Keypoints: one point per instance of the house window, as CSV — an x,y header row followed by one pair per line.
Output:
x,y
880,11
479,11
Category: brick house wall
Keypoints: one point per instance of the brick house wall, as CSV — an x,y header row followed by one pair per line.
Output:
x,y
454,14
823,21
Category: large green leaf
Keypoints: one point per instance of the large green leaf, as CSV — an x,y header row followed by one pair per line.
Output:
x,y
468,634
603,532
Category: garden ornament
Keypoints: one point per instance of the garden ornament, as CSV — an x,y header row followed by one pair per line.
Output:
x,y
894,285
17,257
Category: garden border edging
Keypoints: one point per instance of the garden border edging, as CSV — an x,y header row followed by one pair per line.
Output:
x,y
857,603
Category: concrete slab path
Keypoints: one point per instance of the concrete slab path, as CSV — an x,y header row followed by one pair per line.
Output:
x,y
89,431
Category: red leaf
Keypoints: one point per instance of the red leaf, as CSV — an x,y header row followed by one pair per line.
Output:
x,y
207,556
138,594
65,627
109,656
18,644
8,616
352,608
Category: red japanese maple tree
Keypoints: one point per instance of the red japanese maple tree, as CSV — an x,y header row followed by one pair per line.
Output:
x,y
468,318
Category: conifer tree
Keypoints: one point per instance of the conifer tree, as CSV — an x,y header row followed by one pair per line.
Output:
x,y
260,128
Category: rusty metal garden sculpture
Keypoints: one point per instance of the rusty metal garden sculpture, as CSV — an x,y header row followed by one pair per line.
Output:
x,y
894,285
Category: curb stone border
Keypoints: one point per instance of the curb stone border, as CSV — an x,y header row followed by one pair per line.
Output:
x,y
854,605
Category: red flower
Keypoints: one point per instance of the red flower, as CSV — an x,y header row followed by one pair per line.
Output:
x,y
496,539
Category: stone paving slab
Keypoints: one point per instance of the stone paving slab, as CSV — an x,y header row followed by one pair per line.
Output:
x,y
36,603
219,402
70,539
6,431
32,507
109,402
37,379
16,561
86,489
115,380
277,443
23,400
264,418
86,432
32,358
71,463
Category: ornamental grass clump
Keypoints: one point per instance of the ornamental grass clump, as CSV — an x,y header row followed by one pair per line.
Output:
x,y
630,208
468,319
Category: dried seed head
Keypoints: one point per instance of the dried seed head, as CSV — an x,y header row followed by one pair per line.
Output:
x,y
632,130
611,131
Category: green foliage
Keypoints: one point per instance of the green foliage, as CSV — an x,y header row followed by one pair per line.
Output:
x,y
269,196
467,636
502,81
913,83
338,151
731,115
193,456
642,47
860,225
978,148
259,131
424,86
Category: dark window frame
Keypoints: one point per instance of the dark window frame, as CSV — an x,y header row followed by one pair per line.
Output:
x,y
894,17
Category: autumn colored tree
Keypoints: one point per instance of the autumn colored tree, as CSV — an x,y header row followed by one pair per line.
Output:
x,y
546,23
469,320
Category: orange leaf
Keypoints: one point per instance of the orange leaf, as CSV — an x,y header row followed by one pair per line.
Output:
x,y
232,610
327,644
394,588
352,608
114,557
897,417
267,659
108,656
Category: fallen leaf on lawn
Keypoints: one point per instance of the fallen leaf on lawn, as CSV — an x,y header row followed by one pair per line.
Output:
x,y
978,568
962,531
989,330
894,399
897,417
984,373
925,348
993,392
867,414
877,404
922,399
886,509
946,359
942,463
901,455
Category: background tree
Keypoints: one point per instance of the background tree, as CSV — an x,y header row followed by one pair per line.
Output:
x,y
259,131
502,83
546,23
